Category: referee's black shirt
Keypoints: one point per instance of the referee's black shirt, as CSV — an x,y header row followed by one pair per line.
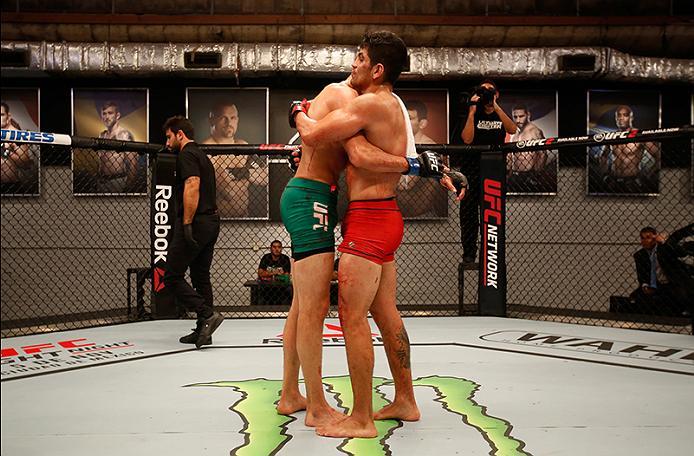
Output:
x,y
193,162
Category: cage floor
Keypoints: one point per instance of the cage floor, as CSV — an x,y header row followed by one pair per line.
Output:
x,y
484,386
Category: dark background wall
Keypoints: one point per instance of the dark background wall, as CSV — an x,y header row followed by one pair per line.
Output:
x,y
167,98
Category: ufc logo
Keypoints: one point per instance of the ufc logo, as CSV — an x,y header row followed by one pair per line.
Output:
x,y
492,196
433,162
320,212
38,348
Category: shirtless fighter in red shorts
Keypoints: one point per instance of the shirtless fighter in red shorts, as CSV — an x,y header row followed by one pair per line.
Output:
x,y
372,230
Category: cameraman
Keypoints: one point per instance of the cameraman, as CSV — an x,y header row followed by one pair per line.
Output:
x,y
486,124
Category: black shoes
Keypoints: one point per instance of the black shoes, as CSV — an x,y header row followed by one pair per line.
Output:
x,y
469,259
192,338
207,327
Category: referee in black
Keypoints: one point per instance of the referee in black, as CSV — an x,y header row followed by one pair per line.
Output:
x,y
195,232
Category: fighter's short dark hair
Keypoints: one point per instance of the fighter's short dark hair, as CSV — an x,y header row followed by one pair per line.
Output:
x,y
419,106
180,123
276,241
389,50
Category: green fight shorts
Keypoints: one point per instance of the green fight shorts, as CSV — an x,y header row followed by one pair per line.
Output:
x,y
309,212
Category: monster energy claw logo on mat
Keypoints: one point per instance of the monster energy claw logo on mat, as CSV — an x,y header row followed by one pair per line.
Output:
x,y
265,431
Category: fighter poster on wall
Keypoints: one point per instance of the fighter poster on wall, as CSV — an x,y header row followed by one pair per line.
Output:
x,y
535,116
623,169
234,116
20,170
119,114
419,198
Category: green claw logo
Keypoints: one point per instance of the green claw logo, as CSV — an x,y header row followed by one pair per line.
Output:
x,y
265,431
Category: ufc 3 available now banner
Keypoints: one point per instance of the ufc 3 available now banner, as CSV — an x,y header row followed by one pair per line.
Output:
x,y
492,283
163,217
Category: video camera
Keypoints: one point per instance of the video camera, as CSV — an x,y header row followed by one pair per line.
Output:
x,y
486,95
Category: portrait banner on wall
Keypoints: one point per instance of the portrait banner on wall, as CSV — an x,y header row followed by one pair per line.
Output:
x,y
623,169
419,198
21,168
223,115
535,116
113,113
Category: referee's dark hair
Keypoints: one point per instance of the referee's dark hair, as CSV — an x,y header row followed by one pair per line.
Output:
x,y
180,123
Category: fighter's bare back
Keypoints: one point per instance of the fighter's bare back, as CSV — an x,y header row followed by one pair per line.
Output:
x,y
324,162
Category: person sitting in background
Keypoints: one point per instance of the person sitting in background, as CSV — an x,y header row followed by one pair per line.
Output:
x,y
275,265
663,278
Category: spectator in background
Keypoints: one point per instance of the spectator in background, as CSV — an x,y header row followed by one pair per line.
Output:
x,y
275,265
486,124
665,278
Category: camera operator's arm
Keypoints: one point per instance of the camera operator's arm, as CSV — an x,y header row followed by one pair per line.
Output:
x,y
509,125
468,134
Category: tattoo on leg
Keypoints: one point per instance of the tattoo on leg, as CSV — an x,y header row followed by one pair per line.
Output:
x,y
403,349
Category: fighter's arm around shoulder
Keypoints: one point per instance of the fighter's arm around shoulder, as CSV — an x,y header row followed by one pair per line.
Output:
x,y
333,96
191,196
363,154
338,125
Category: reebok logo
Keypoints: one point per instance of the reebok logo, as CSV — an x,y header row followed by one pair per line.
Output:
x,y
158,278
161,220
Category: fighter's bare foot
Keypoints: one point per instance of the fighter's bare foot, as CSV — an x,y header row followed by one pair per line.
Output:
x,y
349,428
323,417
291,403
405,411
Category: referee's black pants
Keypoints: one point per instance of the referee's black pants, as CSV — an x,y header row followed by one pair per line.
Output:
x,y
181,256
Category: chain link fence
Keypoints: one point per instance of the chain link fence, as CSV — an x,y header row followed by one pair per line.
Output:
x,y
573,230
76,244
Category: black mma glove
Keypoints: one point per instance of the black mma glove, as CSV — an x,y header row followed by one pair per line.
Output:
x,y
295,108
188,236
295,159
426,164
459,181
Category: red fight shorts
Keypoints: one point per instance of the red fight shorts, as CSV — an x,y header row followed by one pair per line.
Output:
x,y
372,229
